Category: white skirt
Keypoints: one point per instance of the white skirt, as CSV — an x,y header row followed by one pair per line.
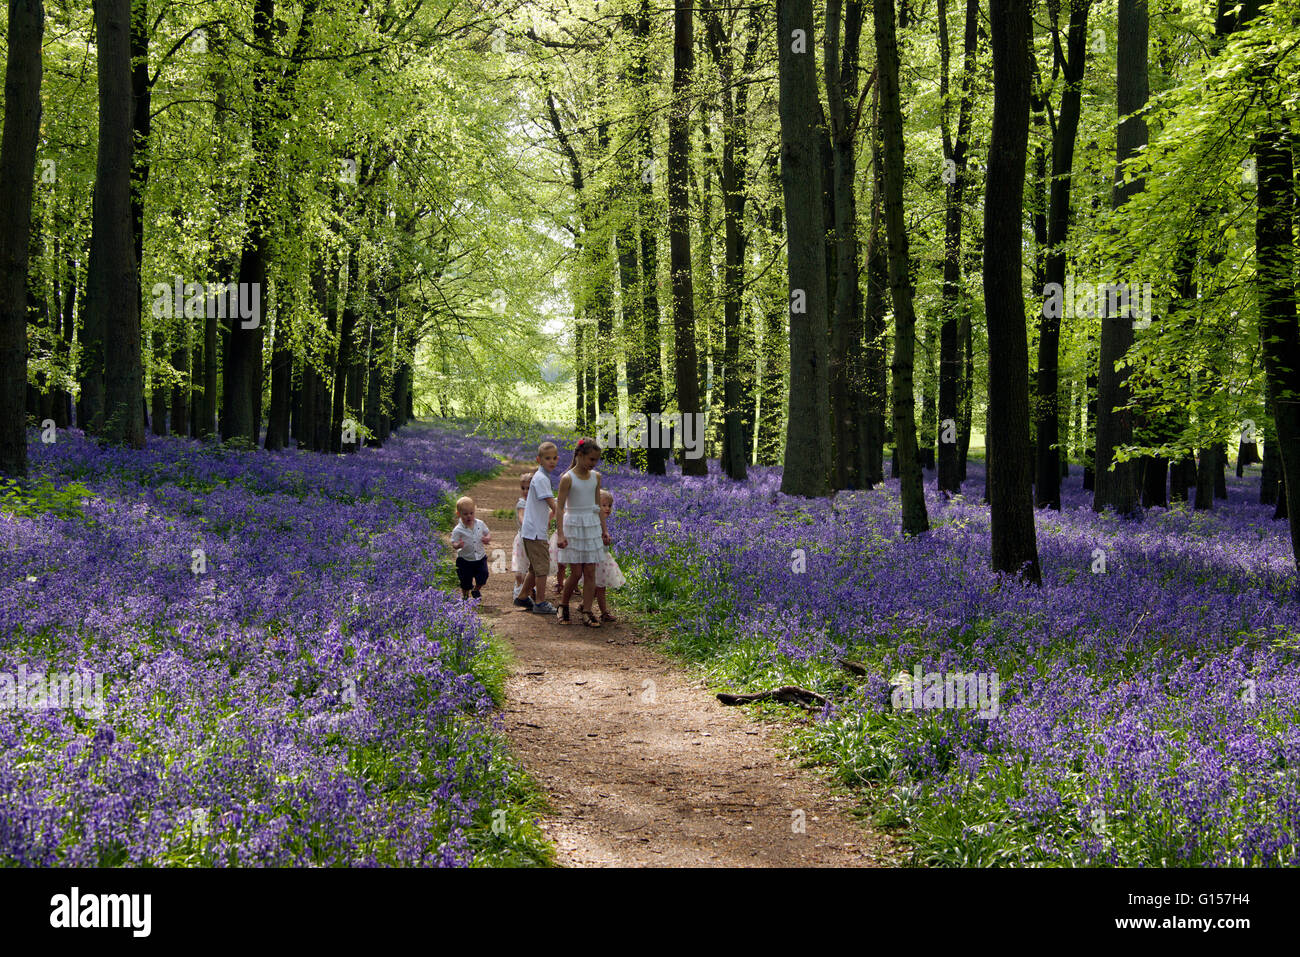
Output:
x,y
608,574
582,530
518,557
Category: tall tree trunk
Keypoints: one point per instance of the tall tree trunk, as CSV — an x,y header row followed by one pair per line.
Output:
x,y
1116,482
357,353
140,125
956,322
1220,468
323,435
772,392
807,458
1048,479
277,425
112,295
63,405
1271,473
653,395
736,447
1090,412
343,354
180,397
874,307
911,491
273,90
679,228
847,359
22,123
1205,479
1015,548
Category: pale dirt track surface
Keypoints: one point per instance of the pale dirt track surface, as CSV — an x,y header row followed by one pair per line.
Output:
x,y
641,765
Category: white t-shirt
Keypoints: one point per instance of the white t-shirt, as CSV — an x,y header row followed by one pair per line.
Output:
x,y
537,514
473,539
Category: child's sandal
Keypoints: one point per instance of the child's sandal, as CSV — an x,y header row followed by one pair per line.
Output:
x,y
562,615
606,616
590,620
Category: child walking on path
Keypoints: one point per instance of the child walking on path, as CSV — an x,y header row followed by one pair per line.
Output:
x,y
518,557
608,574
539,506
581,534
468,539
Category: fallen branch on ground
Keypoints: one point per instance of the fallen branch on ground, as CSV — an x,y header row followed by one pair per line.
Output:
x,y
787,694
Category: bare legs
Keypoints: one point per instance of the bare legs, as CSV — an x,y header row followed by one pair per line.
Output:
x,y
588,575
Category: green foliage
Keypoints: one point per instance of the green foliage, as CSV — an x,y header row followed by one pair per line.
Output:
x,y
41,496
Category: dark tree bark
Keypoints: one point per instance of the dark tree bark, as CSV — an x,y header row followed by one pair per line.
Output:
x,y
1220,470
356,370
1205,479
180,397
679,228
374,384
955,322
584,419
1015,548
71,287
1116,482
849,467
1071,62
911,492
141,124
22,124
343,354
632,336
807,451
242,398
112,295
1247,455
277,425
874,310
1270,475
736,446
580,420
322,440
772,392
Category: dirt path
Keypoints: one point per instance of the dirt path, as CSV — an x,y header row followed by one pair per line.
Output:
x,y
643,767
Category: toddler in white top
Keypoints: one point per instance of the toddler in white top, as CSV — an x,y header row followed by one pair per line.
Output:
x,y
468,539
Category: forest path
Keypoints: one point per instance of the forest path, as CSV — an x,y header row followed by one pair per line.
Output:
x,y
641,765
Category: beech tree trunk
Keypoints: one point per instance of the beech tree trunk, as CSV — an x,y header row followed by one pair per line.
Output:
x,y
1071,60
955,321
911,492
1014,546
112,295
22,124
807,451
679,227
875,333
1116,482
277,425
848,371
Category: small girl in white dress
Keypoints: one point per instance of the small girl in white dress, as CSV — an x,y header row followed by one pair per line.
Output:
x,y
581,535
608,574
518,559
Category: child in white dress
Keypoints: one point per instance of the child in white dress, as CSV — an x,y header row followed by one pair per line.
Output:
x,y
518,558
608,574
581,535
